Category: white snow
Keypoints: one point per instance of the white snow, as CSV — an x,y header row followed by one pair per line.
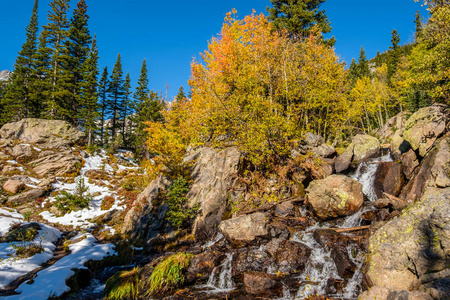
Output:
x,y
12,162
8,218
37,149
12,268
52,281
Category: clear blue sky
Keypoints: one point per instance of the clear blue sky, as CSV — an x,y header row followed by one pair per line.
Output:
x,y
170,33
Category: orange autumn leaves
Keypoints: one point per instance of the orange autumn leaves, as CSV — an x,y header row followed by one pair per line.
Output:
x,y
258,90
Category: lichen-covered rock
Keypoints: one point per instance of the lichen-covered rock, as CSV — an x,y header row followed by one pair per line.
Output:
x,y
365,146
425,126
245,229
412,245
361,148
335,196
13,186
212,175
52,134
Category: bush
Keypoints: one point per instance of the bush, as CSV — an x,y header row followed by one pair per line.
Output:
x,y
123,285
178,214
169,273
27,247
80,199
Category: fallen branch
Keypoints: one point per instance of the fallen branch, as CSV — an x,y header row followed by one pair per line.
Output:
x,y
340,230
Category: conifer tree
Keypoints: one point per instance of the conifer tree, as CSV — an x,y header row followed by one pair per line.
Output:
x,y
394,55
77,50
126,106
17,101
55,35
89,112
363,64
181,95
353,72
103,95
116,93
418,22
299,16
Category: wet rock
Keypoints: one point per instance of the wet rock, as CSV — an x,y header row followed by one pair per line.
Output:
x,y
328,237
361,148
390,202
212,175
290,257
410,163
202,265
252,259
245,229
262,285
389,178
334,286
335,196
425,126
51,134
13,186
145,218
344,265
410,246
27,197
285,209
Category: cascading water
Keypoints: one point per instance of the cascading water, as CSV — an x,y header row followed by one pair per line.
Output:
x,y
321,266
220,279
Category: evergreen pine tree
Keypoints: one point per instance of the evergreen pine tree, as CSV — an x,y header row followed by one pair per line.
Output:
x,y
55,34
394,55
103,95
353,72
299,16
126,107
77,50
17,101
363,64
418,22
181,95
89,110
116,93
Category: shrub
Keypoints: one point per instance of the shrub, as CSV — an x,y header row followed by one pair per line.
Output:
x,y
169,273
123,285
27,247
80,199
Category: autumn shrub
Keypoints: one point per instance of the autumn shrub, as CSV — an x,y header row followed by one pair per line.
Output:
x,y
107,202
169,273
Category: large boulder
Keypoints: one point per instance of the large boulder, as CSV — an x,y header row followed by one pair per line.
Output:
x,y
361,148
13,186
413,245
335,196
146,217
290,257
389,179
50,134
425,126
212,175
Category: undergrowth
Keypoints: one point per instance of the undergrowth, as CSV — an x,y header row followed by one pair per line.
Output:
x,y
123,285
67,202
169,273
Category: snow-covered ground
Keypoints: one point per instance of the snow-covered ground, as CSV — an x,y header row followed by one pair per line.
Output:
x,y
51,281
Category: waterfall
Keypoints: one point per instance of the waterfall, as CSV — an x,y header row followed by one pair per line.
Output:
x,y
222,281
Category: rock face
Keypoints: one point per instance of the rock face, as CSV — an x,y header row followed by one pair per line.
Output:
x,y
361,148
50,134
212,176
425,126
13,186
413,246
56,164
145,219
335,196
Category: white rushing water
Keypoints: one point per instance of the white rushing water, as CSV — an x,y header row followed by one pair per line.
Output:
x,y
220,279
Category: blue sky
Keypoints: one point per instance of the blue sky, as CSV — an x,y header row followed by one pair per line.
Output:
x,y
170,33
